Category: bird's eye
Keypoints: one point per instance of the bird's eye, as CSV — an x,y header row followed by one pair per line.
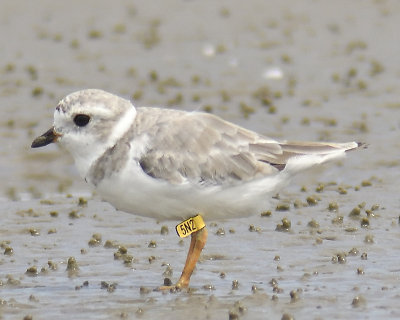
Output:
x,y
81,120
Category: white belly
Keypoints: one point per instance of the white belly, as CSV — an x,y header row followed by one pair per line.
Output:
x,y
135,192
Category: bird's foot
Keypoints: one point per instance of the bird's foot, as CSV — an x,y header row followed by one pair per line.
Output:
x,y
168,286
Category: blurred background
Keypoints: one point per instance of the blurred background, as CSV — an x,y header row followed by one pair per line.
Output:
x,y
309,70
296,70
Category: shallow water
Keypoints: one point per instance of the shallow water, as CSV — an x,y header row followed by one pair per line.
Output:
x,y
327,71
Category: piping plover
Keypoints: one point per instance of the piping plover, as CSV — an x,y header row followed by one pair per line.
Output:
x,y
171,164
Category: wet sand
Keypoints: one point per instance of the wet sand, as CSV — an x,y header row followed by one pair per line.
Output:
x,y
309,70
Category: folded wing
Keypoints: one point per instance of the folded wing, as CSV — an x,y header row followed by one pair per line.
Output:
x,y
204,149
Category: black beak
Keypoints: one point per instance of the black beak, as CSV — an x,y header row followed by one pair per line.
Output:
x,y
46,138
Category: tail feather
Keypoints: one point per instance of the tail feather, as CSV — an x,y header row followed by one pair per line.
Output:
x,y
303,148
298,156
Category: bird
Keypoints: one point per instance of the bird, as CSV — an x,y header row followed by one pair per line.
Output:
x,y
170,164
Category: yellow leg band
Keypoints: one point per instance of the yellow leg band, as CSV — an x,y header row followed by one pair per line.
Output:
x,y
189,226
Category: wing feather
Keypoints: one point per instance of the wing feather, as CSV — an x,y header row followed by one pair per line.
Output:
x,y
204,149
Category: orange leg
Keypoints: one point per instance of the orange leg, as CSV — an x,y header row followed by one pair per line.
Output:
x,y
197,243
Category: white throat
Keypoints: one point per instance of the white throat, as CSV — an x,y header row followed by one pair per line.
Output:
x,y
94,149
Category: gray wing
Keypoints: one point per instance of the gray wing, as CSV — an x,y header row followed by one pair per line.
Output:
x,y
203,148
